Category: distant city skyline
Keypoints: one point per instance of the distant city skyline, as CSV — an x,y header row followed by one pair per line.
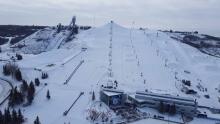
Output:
x,y
184,15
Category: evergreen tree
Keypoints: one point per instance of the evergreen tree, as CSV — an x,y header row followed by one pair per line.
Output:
x,y
20,117
30,93
7,117
15,97
31,86
59,26
48,94
11,99
37,82
19,57
30,96
93,96
20,98
18,75
6,70
14,117
37,121
24,86
1,118
44,75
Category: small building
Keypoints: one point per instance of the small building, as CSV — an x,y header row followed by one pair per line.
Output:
x,y
182,105
113,98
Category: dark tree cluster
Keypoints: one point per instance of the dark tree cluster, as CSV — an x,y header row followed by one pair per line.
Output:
x,y
37,82
13,70
9,68
30,93
15,98
186,82
17,39
24,87
171,109
18,97
59,28
18,56
3,40
18,75
14,117
15,30
44,75
208,37
37,120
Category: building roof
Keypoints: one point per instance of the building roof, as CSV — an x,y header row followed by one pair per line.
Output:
x,y
112,92
165,96
136,99
162,97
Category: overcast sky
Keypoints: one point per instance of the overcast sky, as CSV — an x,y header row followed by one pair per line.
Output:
x,y
190,15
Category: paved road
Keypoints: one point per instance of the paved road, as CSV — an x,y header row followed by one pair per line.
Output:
x,y
6,86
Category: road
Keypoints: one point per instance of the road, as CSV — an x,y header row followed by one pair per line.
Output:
x,y
5,87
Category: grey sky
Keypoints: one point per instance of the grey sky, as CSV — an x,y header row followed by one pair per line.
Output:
x,y
201,15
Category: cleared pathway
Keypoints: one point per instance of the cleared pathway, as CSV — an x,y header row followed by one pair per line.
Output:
x,y
6,86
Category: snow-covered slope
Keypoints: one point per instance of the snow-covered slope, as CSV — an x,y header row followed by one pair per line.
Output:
x,y
41,41
140,60
205,43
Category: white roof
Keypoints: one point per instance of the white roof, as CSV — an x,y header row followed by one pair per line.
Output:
x,y
109,93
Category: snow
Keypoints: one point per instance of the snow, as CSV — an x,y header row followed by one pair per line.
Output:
x,y
41,41
140,61
111,93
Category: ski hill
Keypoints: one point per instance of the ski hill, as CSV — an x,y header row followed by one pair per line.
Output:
x,y
41,41
139,60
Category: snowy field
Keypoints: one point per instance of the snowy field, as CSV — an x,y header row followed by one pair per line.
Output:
x,y
141,60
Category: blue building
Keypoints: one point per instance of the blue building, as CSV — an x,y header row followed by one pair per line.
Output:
x,y
113,98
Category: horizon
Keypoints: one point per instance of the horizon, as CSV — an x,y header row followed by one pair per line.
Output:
x,y
191,15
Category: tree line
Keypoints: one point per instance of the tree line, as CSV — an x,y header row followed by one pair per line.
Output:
x,y
11,117
26,93
13,70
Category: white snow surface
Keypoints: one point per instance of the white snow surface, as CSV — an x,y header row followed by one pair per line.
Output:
x,y
138,63
41,41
